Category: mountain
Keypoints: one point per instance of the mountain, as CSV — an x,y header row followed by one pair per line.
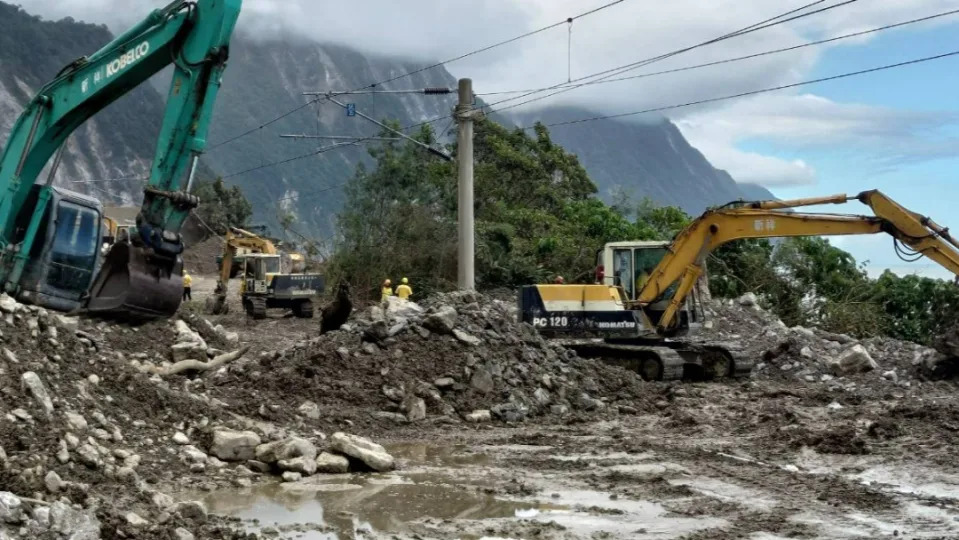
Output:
x,y
643,160
117,143
266,78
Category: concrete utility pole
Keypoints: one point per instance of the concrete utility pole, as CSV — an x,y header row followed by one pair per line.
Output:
x,y
466,251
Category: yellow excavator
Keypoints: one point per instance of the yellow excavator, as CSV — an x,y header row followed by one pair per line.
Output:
x,y
265,283
637,315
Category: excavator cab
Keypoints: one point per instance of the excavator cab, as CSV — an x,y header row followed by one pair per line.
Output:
x,y
66,253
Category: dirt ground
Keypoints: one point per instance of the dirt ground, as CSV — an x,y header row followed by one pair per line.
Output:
x,y
809,446
773,456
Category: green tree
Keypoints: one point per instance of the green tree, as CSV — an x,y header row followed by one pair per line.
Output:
x,y
221,206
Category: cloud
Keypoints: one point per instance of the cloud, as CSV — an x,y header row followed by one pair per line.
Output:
x,y
804,123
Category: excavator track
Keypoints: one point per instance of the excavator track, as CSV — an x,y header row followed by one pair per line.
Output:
x,y
668,360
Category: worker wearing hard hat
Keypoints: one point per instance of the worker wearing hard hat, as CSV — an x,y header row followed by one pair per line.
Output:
x,y
404,291
187,286
387,291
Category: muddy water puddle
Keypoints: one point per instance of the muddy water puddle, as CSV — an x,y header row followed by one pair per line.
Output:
x,y
449,492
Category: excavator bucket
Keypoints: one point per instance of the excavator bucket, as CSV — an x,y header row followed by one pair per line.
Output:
x,y
136,285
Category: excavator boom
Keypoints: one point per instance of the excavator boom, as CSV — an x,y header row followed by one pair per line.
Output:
x,y
140,278
684,261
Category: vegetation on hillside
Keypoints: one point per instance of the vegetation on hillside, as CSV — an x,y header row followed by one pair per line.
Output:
x,y
537,216
221,206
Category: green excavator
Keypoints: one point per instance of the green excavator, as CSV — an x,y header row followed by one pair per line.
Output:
x,y
50,238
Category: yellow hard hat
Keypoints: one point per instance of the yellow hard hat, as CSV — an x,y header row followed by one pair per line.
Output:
x,y
405,281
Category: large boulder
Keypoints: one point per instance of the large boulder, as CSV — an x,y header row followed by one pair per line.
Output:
x,y
291,448
332,463
230,445
396,308
855,359
362,449
443,320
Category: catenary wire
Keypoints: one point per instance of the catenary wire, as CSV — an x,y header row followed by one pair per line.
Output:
x,y
420,70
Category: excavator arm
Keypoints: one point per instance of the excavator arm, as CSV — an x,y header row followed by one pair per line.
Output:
x,y
194,37
684,261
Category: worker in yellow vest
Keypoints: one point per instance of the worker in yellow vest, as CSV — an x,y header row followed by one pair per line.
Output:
x,y
386,291
187,286
404,291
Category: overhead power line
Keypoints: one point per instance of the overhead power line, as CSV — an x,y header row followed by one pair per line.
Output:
x,y
422,69
644,111
755,92
609,73
781,18
740,58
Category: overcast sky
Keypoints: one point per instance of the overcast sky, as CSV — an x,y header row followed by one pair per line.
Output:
x,y
875,131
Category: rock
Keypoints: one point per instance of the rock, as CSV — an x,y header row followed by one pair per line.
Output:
x,y
188,351
343,352
332,463
466,338
853,360
135,521
407,309
390,417
443,320
293,447
444,382
8,304
891,375
230,445
559,409
76,422
510,412
393,393
303,465
748,300
182,534
194,454
378,331
33,383
803,331
162,501
127,475
479,416
482,381
63,453
290,476
258,466
806,352
590,403
309,409
191,510
93,379
9,356
415,408
10,507
365,450
542,397
53,482
180,438
88,455
67,323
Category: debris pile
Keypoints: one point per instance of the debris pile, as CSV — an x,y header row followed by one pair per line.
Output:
x,y
458,357
91,434
811,355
